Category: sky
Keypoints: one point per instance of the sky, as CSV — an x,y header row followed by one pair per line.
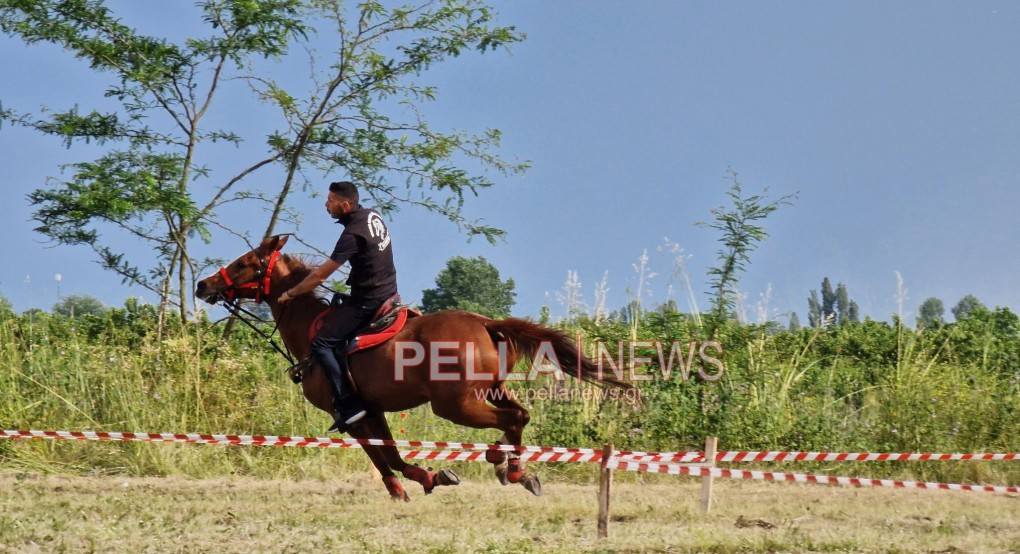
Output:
x,y
896,124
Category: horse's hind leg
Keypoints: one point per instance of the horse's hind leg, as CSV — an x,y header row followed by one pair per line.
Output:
x,y
510,469
510,419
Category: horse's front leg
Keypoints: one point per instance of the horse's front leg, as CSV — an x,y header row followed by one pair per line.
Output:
x,y
381,456
376,426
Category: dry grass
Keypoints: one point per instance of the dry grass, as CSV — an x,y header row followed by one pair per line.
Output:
x,y
41,513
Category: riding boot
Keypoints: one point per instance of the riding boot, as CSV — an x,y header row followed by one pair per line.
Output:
x,y
348,408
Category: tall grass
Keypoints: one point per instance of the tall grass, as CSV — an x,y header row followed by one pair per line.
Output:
x,y
855,387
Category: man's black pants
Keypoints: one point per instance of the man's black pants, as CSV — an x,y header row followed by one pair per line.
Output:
x,y
336,331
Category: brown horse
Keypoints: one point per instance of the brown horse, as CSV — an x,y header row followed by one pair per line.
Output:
x,y
458,379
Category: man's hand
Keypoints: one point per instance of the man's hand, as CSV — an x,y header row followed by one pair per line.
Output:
x,y
285,297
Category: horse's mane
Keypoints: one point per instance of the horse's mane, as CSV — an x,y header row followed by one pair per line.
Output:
x,y
300,266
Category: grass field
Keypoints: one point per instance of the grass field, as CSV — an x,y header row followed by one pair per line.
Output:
x,y
47,513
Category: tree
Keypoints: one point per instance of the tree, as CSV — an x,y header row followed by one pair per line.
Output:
x,y
78,305
834,307
828,299
966,306
930,313
794,322
842,303
740,235
668,307
151,181
471,284
814,314
853,313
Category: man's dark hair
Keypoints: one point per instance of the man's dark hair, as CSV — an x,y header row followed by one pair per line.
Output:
x,y
346,190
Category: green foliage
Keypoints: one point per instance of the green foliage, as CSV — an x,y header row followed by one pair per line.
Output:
x,y
739,236
930,313
867,386
359,112
835,306
794,322
966,306
470,284
394,155
78,305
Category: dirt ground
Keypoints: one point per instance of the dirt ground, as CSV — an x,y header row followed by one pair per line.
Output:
x,y
44,513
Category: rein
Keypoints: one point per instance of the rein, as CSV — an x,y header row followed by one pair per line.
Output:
x,y
236,310
261,286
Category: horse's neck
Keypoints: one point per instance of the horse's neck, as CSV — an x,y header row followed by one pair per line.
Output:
x,y
294,320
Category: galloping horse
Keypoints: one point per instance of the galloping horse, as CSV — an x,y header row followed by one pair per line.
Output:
x,y
389,382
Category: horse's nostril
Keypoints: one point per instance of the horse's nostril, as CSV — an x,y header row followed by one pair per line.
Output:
x,y
201,286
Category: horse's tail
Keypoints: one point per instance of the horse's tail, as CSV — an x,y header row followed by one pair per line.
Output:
x,y
527,338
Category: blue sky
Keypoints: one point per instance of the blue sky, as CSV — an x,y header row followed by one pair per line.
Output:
x,y
897,123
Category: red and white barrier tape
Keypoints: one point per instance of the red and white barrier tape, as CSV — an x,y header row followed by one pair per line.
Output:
x,y
629,461
270,440
458,456
852,457
703,471
583,454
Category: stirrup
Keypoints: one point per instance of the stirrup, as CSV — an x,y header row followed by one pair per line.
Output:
x,y
341,425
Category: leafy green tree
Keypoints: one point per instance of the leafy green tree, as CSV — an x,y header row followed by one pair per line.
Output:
x,y
835,306
930,313
988,339
853,312
360,111
669,306
966,306
739,236
78,305
842,302
471,284
828,299
814,309
794,322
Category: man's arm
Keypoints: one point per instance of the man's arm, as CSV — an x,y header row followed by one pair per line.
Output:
x,y
317,277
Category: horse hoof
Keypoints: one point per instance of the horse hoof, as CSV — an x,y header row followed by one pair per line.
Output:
x,y
395,489
447,477
501,473
532,484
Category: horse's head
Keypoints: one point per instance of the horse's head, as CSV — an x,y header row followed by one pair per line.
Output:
x,y
245,277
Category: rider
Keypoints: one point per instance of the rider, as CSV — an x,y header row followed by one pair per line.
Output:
x,y
365,244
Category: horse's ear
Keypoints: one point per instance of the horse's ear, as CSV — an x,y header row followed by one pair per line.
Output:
x,y
272,244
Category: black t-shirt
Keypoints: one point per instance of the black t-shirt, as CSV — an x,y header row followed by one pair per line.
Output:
x,y
366,245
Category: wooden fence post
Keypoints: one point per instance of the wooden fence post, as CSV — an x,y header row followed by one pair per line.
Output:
x,y
706,480
605,483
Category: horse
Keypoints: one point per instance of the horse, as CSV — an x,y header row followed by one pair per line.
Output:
x,y
467,387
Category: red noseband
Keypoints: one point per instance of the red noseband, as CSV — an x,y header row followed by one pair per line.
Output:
x,y
261,287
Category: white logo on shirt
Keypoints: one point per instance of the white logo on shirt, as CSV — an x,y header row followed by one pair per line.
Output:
x,y
378,230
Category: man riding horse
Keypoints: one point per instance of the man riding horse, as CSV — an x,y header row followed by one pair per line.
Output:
x,y
473,391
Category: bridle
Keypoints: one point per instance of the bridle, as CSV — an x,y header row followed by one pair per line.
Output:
x,y
261,286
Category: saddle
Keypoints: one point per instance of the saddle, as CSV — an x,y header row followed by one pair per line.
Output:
x,y
388,320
